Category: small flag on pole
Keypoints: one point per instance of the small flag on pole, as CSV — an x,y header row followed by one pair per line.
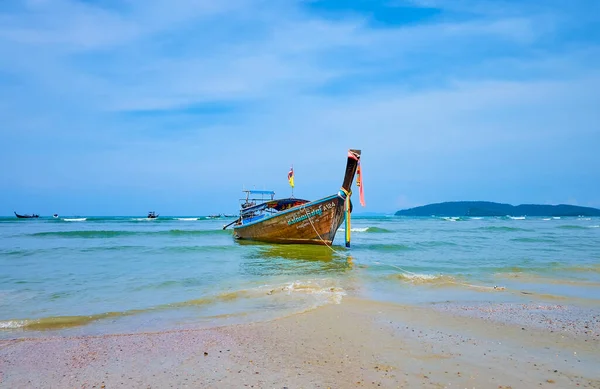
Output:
x,y
291,176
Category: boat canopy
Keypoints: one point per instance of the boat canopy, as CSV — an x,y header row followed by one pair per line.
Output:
x,y
278,205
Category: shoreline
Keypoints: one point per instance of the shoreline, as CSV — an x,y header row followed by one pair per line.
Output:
x,y
357,343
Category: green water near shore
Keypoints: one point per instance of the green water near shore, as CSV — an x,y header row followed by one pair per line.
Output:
x,y
103,275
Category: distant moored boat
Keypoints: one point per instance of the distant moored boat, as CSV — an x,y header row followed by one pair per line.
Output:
x,y
32,216
152,215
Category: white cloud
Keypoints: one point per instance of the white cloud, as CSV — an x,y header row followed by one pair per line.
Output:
x,y
474,95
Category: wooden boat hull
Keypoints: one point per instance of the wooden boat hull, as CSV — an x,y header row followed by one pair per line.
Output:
x,y
315,222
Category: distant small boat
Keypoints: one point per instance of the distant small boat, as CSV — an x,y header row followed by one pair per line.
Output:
x,y
152,215
55,215
214,216
32,216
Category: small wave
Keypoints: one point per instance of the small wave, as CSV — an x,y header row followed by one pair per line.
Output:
x,y
436,243
595,226
451,218
503,229
533,240
517,217
544,296
544,270
186,219
476,218
572,227
510,271
187,282
368,229
85,234
116,233
189,249
556,217
56,322
378,230
12,324
18,252
438,279
387,247
319,291
194,232
324,287
550,279
546,218
78,219
110,248
595,268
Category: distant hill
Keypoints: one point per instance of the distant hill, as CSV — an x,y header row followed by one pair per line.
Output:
x,y
487,208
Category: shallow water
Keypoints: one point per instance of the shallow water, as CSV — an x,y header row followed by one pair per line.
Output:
x,y
104,275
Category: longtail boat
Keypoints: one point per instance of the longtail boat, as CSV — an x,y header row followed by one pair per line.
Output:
x,y
292,220
32,216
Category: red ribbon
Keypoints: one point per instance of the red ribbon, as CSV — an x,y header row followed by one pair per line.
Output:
x,y
359,183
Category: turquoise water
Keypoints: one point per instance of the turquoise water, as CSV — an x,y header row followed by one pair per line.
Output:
x,y
110,275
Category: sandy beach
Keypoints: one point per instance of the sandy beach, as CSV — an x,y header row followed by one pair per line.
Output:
x,y
356,343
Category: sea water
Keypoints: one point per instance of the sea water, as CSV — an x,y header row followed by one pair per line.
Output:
x,y
98,275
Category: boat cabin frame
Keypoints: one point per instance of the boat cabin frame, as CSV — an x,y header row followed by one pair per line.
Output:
x,y
260,203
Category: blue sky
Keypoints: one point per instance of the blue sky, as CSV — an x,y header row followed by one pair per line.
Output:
x,y
119,107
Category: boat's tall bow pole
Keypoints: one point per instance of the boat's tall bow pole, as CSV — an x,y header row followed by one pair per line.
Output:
x,y
345,192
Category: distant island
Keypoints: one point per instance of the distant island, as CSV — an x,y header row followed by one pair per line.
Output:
x,y
487,208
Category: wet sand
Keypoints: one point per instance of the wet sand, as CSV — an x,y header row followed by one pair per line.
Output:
x,y
354,344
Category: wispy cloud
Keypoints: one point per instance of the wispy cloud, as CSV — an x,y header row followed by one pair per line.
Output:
x,y
446,98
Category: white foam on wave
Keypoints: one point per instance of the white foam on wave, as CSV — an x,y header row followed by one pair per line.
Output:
x,y
476,218
12,324
145,219
585,218
517,217
77,219
451,218
186,219
324,291
556,217
420,277
362,229
594,226
546,218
